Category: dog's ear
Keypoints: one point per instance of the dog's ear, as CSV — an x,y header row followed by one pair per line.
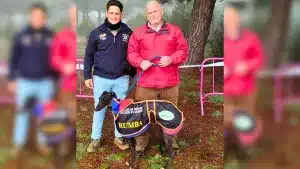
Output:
x,y
113,95
30,103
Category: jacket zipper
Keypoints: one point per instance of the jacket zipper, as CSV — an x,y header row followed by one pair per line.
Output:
x,y
115,35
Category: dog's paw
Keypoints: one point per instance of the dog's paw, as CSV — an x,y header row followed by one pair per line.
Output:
x,y
139,154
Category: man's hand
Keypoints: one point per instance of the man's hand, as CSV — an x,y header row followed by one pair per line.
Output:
x,y
12,87
241,69
165,61
89,83
145,64
69,69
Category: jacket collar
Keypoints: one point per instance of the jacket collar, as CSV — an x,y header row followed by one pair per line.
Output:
x,y
103,27
30,29
163,30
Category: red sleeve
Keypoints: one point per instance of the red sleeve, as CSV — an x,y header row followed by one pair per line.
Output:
x,y
256,61
133,55
56,54
181,49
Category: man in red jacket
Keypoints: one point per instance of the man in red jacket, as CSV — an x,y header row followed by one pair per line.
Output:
x,y
63,59
157,38
243,57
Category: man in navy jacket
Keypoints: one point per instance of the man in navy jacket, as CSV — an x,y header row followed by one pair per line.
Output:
x,y
106,53
30,73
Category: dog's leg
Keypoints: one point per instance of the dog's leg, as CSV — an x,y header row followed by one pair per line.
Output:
x,y
58,158
161,149
168,142
132,163
242,153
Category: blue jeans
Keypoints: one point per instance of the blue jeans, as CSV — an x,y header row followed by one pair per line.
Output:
x,y
120,87
44,91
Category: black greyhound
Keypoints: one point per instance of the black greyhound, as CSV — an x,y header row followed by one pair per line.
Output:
x,y
57,130
141,115
242,124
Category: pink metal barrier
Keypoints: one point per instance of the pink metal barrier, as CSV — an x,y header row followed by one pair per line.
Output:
x,y
7,100
4,98
216,62
286,95
83,92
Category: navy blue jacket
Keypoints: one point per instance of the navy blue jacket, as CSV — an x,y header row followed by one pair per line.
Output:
x,y
107,53
30,55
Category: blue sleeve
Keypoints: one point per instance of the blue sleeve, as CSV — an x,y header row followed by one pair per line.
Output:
x,y
89,56
15,54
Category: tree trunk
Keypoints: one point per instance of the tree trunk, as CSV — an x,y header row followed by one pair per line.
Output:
x,y
199,29
276,32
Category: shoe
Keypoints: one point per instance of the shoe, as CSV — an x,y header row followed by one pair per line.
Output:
x,y
93,145
120,142
175,144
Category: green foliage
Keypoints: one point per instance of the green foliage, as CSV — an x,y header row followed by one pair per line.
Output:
x,y
156,162
181,16
116,157
216,41
136,21
85,27
104,166
216,114
80,150
3,155
216,99
183,143
187,82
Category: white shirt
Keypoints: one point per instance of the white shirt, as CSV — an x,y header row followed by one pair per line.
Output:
x,y
155,29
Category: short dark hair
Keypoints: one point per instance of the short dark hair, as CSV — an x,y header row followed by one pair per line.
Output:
x,y
114,3
39,6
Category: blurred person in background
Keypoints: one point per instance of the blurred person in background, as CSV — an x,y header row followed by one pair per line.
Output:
x,y
157,38
243,57
106,53
30,72
63,60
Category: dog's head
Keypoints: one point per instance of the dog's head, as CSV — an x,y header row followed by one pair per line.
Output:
x,y
105,100
30,104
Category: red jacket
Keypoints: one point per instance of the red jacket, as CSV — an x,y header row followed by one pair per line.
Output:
x,y
145,43
247,49
63,51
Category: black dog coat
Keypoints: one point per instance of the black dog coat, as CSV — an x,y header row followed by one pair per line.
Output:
x,y
134,118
